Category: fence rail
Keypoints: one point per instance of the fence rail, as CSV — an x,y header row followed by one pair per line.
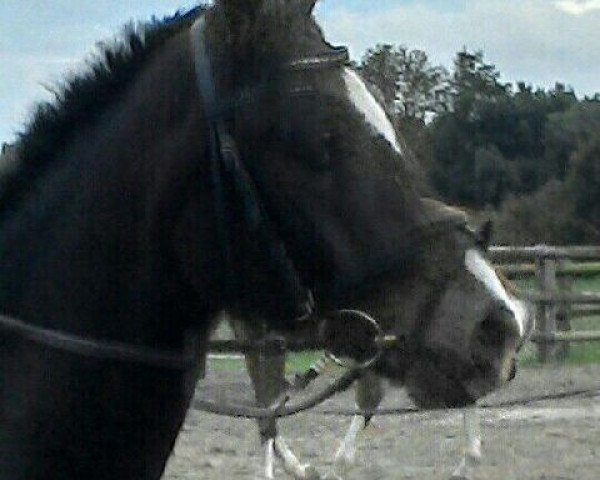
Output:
x,y
579,336
556,303
515,254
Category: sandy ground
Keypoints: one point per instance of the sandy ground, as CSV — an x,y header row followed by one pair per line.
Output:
x,y
550,440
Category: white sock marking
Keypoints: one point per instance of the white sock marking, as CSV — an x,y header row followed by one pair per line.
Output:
x,y
291,464
269,459
472,423
472,443
347,450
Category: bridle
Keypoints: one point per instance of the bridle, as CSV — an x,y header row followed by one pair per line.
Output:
x,y
336,57
226,165
224,159
222,150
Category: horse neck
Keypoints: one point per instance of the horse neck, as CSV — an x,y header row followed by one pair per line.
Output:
x,y
107,209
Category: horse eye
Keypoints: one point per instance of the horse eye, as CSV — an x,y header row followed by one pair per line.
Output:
x,y
321,152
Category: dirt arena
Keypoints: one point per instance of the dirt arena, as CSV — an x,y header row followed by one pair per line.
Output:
x,y
550,440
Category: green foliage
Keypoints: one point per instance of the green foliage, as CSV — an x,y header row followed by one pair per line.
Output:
x,y
531,156
584,187
493,143
412,88
567,130
546,215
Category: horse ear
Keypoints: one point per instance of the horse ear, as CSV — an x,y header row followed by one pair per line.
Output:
x,y
484,235
248,8
306,6
310,5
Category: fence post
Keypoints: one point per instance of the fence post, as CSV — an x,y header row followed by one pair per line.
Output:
x,y
545,271
563,311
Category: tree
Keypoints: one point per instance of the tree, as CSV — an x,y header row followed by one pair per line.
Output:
x,y
545,216
421,87
497,141
469,138
575,124
380,67
412,88
584,187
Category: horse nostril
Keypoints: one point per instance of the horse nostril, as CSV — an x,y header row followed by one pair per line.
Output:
x,y
490,334
496,329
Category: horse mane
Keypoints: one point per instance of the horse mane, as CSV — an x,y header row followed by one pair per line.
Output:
x,y
83,97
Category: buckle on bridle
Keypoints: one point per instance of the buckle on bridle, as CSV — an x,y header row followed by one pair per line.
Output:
x,y
354,355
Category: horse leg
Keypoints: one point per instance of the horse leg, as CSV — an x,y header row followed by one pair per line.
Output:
x,y
265,390
472,445
267,373
266,377
292,465
369,393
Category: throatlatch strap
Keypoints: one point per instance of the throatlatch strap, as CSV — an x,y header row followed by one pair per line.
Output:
x,y
225,163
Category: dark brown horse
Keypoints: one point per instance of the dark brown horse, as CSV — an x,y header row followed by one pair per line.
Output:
x,y
129,223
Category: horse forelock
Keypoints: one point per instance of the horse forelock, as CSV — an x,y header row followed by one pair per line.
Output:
x,y
251,40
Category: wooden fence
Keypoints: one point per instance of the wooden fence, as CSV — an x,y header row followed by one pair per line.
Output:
x,y
554,269
556,302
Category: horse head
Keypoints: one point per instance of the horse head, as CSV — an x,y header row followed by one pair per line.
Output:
x,y
321,153
331,177
456,324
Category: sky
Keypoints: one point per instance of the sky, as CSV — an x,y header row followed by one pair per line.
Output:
x,y
538,41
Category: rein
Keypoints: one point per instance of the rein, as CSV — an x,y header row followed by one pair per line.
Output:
x,y
280,408
591,393
103,349
224,159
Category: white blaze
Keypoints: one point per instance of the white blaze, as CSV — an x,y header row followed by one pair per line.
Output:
x,y
483,271
365,103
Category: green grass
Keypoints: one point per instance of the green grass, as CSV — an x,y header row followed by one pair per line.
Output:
x,y
300,362
589,283
295,363
225,364
579,354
